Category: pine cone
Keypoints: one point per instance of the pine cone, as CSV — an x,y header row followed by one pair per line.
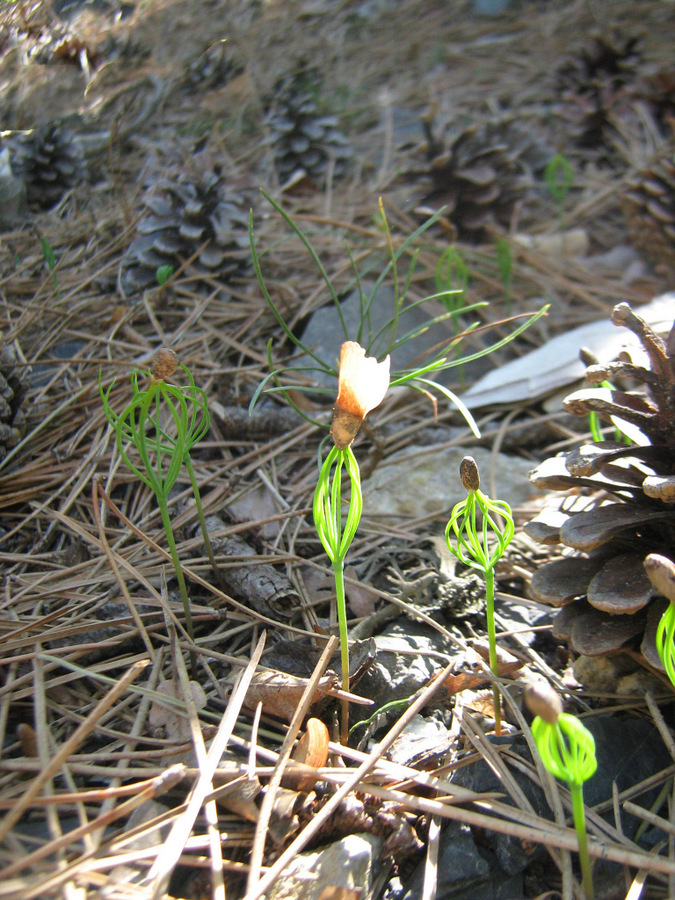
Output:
x,y
51,161
184,217
622,509
657,90
12,403
304,141
213,68
604,64
481,172
648,204
592,82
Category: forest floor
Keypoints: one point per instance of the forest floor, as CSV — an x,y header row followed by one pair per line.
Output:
x,y
103,690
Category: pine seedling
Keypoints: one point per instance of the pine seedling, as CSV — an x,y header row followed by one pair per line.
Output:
x,y
505,265
480,540
162,455
163,274
362,385
452,277
421,378
50,262
567,750
559,176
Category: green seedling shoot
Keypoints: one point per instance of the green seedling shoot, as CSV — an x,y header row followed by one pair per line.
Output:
x,y
661,572
336,537
362,385
163,274
559,176
161,454
452,277
50,261
594,423
567,750
302,378
480,540
505,265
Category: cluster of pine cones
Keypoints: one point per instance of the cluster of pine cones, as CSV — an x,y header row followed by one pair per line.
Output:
x,y
601,86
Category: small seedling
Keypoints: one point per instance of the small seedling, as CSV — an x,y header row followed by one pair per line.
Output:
x,y
559,176
594,423
661,572
567,750
362,385
505,264
452,277
50,261
472,548
163,274
162,455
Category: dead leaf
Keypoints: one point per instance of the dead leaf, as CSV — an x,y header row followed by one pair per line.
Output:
x,y
312,750
333,892
280,693
167,716
28,739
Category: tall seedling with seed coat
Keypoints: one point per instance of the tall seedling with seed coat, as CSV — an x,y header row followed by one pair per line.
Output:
x,y
480,541
362,384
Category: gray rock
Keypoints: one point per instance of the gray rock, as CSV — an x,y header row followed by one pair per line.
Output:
x,y
424,736
466,872
349,863
419,481
628,751
324,334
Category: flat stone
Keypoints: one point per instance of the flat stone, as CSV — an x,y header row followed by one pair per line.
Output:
x,y
349,863
324,334
420,481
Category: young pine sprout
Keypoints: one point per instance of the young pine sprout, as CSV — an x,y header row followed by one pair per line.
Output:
x,y
162,452
362,385
480,541
567,750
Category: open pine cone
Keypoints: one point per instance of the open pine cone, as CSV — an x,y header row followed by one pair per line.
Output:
x,y
648,204
51,161
303,140
605,64
479,173
184,218
592,82
213,68
620,506
12,403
